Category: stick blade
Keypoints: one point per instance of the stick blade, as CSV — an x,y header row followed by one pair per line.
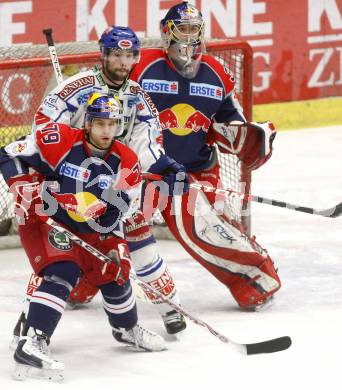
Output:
x,y
336,211
269,346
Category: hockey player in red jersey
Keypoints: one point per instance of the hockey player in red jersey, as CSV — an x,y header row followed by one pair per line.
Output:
x,y
194,95
90,183
120,50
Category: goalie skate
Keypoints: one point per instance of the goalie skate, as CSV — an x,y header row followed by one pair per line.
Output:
x,y
174,322
140,338
33,359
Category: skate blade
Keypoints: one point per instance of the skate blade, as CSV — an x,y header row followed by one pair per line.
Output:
x,y
134,348
14,343
141,349
23,371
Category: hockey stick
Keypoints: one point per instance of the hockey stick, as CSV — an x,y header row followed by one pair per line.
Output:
x,y
53,55
332,212
268,346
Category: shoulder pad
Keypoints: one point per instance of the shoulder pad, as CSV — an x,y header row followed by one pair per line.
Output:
x,y
56,140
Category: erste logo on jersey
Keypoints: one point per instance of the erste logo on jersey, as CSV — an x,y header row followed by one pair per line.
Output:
x,y
75,172
206,90
160,86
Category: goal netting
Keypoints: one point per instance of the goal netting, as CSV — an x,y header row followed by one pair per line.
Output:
x,y
26,76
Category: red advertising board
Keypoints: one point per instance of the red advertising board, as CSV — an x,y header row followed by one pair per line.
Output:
x,y
297,43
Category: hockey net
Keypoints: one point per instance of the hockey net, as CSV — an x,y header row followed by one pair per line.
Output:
x,y
26,76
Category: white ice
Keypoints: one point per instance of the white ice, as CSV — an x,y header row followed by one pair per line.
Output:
x,y
305,169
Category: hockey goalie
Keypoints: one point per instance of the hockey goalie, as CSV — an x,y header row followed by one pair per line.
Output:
x,y
198,109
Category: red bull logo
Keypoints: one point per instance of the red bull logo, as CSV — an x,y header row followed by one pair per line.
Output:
x,y
183,119
20,147
81,206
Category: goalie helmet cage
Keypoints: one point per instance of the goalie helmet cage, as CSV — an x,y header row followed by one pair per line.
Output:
x,y
26,76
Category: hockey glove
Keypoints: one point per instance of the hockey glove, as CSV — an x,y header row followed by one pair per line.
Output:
x,y
251,142
118,269
175,179
26,190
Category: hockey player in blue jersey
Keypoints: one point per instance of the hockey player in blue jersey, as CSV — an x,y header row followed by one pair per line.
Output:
x,y
120,50
91,184
194,94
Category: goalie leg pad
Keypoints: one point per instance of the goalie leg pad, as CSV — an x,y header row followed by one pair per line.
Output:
x,y
222,248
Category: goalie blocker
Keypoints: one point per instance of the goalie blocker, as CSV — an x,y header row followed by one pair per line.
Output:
x,y
251,141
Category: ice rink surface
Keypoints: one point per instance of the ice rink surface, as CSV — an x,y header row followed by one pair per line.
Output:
x,y
305,169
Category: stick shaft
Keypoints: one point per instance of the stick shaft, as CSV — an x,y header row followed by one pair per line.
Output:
x,y
53,55
331,212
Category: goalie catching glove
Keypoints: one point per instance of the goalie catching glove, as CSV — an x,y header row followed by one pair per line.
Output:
x,y
251,142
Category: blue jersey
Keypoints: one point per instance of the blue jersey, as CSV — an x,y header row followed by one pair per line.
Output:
x,y
187,107
80,186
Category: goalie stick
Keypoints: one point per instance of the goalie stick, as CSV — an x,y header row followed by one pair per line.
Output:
x,y
332,212
268,346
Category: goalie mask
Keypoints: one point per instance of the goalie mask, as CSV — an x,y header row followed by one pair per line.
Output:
x,y
116,42
104,107
182,32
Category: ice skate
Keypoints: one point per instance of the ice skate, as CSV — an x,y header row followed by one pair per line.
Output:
x,y
174,322
32,359
140,338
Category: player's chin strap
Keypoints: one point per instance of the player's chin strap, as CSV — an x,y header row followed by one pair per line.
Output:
x,y
268,346
332,212
87,137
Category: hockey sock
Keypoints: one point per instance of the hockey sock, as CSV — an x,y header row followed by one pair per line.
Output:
x,y
157,275
49,300
119,304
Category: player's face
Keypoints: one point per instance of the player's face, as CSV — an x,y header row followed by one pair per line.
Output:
x,y
119,63
102,131
187,32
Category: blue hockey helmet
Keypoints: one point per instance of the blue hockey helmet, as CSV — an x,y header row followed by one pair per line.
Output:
x,y
182,31
104,107
183,23
119,38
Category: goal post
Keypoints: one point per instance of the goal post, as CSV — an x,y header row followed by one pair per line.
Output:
x,y
26,76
